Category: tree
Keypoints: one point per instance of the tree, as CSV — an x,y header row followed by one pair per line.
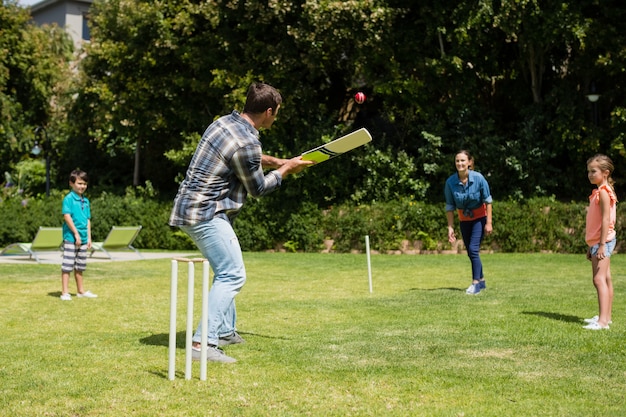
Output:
x,y
157,73
505,79
33,62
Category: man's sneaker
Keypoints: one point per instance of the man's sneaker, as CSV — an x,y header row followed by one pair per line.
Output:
x,y
595,326
66,297
482,284
231,339
213,354
473,289
86,294
594,319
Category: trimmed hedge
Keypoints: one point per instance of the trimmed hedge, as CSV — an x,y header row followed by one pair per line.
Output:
x,y
408,226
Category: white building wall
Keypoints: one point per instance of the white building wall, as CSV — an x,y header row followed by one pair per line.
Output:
x,y
68,14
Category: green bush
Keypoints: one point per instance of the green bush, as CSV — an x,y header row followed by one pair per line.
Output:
x,y
303,229
540,224
386,224
535,225
347,226
254,227
20,217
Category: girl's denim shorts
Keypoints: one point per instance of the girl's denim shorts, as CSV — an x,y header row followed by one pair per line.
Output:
x,y
609,247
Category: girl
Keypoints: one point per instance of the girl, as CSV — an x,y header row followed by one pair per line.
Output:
x,y
468,193
600,236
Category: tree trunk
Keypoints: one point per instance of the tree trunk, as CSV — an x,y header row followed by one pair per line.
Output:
x,y
535,65
137,159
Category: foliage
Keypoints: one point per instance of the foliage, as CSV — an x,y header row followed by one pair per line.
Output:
x,y
388,225
34,67
29,175
389,175
136,208
254,227
21,216
506,80
303,229
541,224
404,225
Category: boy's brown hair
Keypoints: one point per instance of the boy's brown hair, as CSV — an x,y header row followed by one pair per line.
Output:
x,y
78,174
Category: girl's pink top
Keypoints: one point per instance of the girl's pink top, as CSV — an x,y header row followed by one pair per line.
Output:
x,y
594,217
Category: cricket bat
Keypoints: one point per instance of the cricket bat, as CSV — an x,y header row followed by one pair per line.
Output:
x,y
338,146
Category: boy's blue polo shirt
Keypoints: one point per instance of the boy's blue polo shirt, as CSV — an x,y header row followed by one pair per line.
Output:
x,y
467,196
79,208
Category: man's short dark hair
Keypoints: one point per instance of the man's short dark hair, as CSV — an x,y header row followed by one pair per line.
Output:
x,y
262,97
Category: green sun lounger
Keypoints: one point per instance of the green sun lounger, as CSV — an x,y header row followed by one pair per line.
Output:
x,y
119,238
47,239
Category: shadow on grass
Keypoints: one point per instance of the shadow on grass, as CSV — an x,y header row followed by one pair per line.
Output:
x,y
55,294
437,289
163,339
555,316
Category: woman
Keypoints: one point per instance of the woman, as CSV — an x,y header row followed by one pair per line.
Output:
x,y
468,193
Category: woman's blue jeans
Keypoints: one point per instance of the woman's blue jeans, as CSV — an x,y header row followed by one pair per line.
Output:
x,y
473,232
218,243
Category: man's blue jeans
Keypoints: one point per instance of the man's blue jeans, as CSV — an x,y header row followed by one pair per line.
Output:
x,y
218,243
473,233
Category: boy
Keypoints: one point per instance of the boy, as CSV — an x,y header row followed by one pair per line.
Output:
x,y
76,235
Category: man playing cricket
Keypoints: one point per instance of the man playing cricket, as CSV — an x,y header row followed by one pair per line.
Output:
x,y
227,166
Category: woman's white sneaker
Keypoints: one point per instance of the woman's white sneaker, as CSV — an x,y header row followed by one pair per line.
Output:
x,y
86,294
473,289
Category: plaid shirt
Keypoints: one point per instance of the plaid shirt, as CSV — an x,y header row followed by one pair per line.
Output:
x,y
224,169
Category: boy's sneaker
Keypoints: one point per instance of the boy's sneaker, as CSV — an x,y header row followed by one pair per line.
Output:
x,y
86,294
231,339
482,284
213,354
473,289
66,297
594,319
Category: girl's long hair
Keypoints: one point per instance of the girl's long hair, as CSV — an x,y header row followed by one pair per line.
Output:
x,y
606,164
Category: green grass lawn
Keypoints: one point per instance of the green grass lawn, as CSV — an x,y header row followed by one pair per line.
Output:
x,y
318,343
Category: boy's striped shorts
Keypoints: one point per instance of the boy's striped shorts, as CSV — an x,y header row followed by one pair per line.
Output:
x,y
74,257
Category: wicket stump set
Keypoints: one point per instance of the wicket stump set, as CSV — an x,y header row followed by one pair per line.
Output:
x,y
171,373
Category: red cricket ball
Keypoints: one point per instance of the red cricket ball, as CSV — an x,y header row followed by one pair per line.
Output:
x,y
359,97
